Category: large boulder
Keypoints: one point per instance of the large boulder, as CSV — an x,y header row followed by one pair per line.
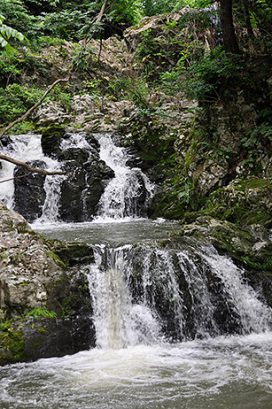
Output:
x,y
98,176
83,188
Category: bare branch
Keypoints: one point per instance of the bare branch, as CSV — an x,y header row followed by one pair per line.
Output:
x,y
27,113
101,12
29,167
15,177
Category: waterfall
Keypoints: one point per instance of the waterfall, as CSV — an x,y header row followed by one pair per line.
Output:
x,y
118,320
129,193
125,195
24,148
254,316
149,295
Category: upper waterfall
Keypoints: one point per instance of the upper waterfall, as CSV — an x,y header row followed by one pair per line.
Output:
x,y
98,183
129,192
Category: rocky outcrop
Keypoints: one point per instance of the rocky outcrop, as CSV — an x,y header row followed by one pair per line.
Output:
x,y
29,193
44,306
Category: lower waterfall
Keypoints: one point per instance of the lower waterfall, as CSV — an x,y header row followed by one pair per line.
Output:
x,y
145,295
175,329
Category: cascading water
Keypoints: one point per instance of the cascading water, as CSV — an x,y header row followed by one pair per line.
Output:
x,y
23,148
28,148
119,322
163,316
128,194
143,295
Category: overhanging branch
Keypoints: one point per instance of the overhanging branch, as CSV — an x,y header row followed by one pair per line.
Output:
x,y
29,167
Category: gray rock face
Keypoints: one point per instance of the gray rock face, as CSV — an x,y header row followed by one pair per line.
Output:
x,y
29,194
26,266
82,190
33,282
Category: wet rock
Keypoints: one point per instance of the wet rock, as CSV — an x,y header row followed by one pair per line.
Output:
x,y
76,154
70,205
73,253
6,140
51,140
98,175
83,188
29,193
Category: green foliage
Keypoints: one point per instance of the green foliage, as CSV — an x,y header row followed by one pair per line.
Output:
x,y
151,7
206,76
82,58
133,89
64,24
7,34
11,340
126,12
17,17
15,99
41,312
9,68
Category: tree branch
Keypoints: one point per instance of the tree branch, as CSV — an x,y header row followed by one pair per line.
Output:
x,y
29,167
27,113
101,12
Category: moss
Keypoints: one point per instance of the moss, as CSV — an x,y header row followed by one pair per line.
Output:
x,y
41,312
42,330
24,127
253,183
72,253
257,263
11,343
243,202
56,259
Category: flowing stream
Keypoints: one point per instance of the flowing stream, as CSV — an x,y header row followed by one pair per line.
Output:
x,y
177,327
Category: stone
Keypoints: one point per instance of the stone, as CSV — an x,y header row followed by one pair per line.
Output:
x,y
29,193
51,139
45,309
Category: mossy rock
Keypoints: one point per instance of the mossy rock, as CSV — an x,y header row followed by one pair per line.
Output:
x,y
11,343
51,140
71,254
242,244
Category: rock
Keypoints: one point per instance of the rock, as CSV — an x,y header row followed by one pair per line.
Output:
x,y
45,309
82,190
98,175
73,253
6,140
51,140
29,193
79,155
51,112
70,203
82,104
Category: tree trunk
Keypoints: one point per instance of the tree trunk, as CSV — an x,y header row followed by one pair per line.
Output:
x,y
247,19
229,36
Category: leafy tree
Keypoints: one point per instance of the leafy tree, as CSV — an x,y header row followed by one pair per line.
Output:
x,y
17,16
8,33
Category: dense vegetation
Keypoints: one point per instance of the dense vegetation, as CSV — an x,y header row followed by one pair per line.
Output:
x,y
216,53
